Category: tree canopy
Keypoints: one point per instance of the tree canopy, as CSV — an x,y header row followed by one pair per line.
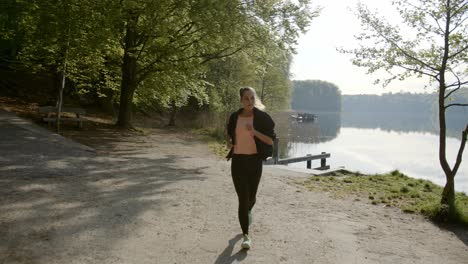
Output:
x,y
158,54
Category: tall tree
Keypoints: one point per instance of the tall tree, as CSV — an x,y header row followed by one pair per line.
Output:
x,y
439,50
165,37
172,36
66,39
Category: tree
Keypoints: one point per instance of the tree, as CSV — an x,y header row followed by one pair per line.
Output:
x,y
173,36
62,38
316,95
160,52
439,50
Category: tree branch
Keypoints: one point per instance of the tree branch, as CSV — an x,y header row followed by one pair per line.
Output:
x,y
148,71
458,10
384,36
457,84
458,52
219,56
142,48
457,24
450,105
417,70
451,92
460,150
408,55
437,21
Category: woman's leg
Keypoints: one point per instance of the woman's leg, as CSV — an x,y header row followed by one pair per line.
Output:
x,y
254,179
239,168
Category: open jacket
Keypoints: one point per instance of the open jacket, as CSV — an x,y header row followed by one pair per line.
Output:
x,y
263,123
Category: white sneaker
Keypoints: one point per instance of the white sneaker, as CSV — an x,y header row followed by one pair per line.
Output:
x,y
250,218
247,242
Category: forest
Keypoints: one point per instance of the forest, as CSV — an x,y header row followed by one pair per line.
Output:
x,y
149,56
417,103
316,95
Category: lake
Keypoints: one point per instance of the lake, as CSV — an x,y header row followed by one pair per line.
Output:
x,y
375,143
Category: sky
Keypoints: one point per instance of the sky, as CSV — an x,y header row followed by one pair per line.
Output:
x,y
318,59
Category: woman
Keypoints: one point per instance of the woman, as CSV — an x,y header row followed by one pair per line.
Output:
x,y
250,135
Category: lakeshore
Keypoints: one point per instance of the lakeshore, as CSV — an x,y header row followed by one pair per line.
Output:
x,y
106,196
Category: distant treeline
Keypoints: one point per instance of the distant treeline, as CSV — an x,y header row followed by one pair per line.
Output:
x,y
316,95
398,102
402,103
322,96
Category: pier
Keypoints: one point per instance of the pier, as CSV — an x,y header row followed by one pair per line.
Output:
x,y
308,158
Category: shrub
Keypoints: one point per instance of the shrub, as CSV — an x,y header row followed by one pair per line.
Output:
x,y
404,189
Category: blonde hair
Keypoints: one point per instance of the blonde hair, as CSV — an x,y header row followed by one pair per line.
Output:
x,y
258,103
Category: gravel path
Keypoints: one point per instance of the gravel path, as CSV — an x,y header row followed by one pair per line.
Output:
x,y
165,198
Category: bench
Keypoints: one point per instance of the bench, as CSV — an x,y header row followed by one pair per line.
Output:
x,y
51,112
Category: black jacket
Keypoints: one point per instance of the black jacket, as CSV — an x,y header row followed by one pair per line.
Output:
x,y
263,123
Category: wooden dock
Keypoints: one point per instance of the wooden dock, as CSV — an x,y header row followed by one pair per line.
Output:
x,y
308,158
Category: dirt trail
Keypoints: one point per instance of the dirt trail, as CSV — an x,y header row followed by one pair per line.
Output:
x,y
165,198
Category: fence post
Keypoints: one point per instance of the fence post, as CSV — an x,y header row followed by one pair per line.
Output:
x,y
275,151
309,162
323,161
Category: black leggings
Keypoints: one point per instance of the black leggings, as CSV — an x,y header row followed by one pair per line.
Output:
x,y
246,172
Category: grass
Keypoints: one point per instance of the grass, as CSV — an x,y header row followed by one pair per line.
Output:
x,y
215,140
396,190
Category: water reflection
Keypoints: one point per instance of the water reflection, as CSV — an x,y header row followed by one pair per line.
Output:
x,y
375,143
327,126
405,122
290,131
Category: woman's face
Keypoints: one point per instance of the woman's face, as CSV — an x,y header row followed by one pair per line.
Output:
x,y
248,100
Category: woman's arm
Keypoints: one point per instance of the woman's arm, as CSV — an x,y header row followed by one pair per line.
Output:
x,y
227,136
228,142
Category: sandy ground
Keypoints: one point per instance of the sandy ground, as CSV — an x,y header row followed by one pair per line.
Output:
x,y
165,198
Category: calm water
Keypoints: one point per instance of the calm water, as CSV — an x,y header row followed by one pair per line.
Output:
x,y
375,143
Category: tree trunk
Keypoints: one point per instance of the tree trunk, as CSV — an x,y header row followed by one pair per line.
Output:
x,y
129,75
62,85
262,93
60,98
448,194
173,114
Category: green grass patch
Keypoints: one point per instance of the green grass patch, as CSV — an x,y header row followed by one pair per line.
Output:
x,y
214,138
393,189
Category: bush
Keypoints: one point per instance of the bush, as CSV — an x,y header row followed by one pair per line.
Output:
x,y
404,189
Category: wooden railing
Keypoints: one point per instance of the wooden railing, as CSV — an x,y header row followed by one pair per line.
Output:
x,y
308,158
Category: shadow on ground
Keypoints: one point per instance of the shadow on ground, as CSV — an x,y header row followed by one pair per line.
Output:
x,y
54,194
460,231
226,257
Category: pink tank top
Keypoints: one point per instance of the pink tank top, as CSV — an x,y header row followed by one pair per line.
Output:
x,y
245,143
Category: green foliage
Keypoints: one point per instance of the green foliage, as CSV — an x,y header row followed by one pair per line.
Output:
x,y
396,190
45,31
200,50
